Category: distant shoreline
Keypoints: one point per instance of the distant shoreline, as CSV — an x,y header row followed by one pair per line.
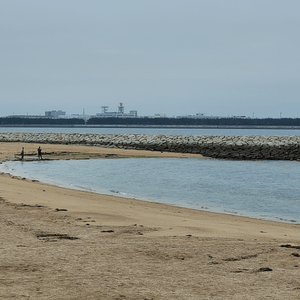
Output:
x,y
157,126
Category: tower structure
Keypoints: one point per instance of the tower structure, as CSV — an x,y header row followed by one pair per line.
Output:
x,y
121,108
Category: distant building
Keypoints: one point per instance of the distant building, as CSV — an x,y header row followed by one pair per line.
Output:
x,y
26,116
116,114
78,116
54,114
203,116
156,116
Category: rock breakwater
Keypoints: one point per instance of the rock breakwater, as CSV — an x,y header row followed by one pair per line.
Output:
x,y
216,146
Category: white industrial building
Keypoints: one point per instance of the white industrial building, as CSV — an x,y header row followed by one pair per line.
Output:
x,y
116,114
54,114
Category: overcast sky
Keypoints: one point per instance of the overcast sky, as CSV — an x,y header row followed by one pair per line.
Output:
x,y
175,57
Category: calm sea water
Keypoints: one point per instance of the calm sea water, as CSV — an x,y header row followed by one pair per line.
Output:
x,y
261,189
184,131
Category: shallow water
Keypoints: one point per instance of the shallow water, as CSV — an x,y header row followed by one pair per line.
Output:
x,y
262,189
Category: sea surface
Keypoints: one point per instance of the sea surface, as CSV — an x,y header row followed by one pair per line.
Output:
x,y
178,131
261,189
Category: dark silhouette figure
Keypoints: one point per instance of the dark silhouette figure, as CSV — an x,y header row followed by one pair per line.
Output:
x,y
40,153
22,154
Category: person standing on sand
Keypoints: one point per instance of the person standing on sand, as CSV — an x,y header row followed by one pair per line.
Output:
x,y
22,154
40,153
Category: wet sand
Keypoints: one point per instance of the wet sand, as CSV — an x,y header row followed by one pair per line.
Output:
x,y
58,243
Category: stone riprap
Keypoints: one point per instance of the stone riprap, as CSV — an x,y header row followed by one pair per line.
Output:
x,y
216,146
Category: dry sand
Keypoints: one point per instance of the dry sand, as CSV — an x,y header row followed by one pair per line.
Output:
x,y
58,243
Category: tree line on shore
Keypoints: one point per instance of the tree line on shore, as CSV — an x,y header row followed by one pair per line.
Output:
x,y
153,121
39,121
195,121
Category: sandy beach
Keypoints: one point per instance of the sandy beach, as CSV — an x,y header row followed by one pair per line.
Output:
x,y
58,243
